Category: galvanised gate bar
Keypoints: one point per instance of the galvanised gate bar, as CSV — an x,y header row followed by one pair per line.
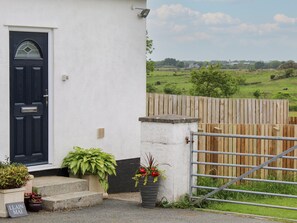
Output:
x,y
251,169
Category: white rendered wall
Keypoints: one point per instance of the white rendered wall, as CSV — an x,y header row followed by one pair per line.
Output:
x,y
166,142
100,44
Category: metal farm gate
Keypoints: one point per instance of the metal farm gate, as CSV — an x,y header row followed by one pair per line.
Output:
x,y
248,173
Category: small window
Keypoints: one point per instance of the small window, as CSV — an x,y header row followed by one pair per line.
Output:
x,y
28,50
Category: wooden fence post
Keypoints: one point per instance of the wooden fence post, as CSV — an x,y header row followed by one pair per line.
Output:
x,y
216,158
277,150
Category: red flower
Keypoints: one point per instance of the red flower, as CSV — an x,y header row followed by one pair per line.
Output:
x,y
142,170
155,174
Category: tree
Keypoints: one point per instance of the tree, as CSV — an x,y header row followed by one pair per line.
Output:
x,y
274,64
289,64
180,64
211,81
170,62
150,65
259,65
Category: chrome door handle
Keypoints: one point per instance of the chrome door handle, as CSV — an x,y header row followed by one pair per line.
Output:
x,y
45,96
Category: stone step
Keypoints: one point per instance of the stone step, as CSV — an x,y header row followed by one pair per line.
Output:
x,y
72,200
54,185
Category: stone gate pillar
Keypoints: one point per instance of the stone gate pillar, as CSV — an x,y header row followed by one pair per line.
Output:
x,y
164,137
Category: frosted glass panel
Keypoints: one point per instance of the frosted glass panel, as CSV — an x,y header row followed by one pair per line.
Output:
x,y
27,50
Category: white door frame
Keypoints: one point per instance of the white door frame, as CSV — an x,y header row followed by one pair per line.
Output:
x,y
50,32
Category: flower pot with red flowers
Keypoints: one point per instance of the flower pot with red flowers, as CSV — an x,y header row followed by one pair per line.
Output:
x,y
147,177
33,201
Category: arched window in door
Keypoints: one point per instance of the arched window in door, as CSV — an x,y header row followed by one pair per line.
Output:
x,y
28,50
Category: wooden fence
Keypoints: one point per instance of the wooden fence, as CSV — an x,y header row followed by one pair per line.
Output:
x,y
293,120
220,110
238,145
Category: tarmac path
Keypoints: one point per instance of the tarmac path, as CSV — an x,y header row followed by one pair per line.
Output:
x,y
121,211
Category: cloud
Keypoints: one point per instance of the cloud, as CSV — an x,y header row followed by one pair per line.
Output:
x,y
248,28
178,11
260,29
185,25
218,18
281,18
193,37
220,1
178,28
167,11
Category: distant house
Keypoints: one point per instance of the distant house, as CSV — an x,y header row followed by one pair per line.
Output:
x,y
194,65
71,73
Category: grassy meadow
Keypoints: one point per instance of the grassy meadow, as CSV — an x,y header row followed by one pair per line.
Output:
x,y
253,81
184,202
263,211
258,199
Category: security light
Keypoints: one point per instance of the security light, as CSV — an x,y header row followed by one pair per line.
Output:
x,y
143,13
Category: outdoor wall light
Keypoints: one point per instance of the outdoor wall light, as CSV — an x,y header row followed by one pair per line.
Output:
x,y
143,13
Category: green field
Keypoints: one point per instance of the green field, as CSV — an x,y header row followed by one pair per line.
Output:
x,y
264,211
185,202
254,80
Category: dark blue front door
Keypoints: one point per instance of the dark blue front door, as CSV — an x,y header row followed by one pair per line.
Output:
x,y
29,97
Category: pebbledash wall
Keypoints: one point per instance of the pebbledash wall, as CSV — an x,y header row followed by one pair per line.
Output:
x,y
100,45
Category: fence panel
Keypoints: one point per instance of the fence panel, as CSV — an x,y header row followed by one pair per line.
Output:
x,y
221,110
292,120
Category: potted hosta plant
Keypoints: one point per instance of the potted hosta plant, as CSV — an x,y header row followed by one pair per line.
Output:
x,y
92,164
13,177
147,177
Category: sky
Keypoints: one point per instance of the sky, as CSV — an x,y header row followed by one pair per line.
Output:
x,y
205,30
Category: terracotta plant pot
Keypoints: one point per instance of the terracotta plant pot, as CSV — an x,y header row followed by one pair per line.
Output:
x,y
149,192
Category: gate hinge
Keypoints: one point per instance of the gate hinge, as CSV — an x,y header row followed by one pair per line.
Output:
x,y
188,140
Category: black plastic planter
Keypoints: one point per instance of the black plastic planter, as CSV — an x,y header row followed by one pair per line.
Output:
x,y
34,207
149,193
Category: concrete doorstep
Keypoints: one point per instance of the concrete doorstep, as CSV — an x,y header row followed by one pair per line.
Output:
x,y
132,196
63,193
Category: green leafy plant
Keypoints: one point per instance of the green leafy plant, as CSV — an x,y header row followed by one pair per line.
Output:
x,y
13,175
211,81
150,88
172,88
91,161
184,202
150,168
